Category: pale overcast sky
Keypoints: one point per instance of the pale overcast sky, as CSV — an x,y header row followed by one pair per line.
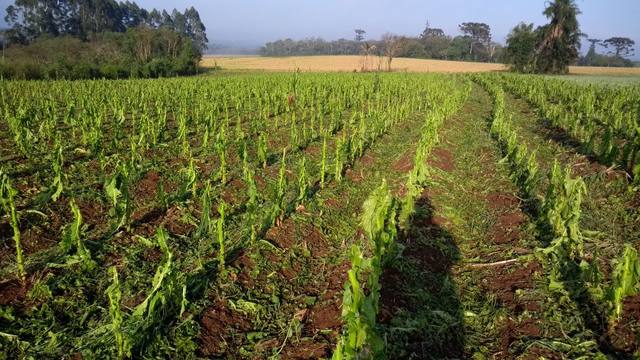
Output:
x,y
254,22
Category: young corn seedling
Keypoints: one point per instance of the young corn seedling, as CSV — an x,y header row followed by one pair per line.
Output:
x,y
73,237
7,195
115,295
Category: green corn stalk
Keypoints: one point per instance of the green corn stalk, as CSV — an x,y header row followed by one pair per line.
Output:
x,y
204,228
221,236
562,209
222,172
626,282
72,237
303,183
252,191
58,164
189,185
338,160
117,192
293,135
360,307
182,133
7,195
161,280
282,187
262,149
205,137
113,292
323,165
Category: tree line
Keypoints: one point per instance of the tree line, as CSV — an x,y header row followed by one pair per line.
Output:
x,y
551,48
474,43
99,38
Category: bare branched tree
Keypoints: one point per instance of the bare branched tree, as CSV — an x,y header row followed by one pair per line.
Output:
x,y
367,50
393,46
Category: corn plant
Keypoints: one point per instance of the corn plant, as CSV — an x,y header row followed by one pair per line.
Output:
x,y
58,164
262,149
360,305
281,190
221,148
221,237
561,209
303,182
7,195
338,160
248,175
115,295
72,237
626,282
323,164
359,311
117,191
162,285
205,226
379,221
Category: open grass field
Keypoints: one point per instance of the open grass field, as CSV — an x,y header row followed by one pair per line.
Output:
x,y
355,63
261,215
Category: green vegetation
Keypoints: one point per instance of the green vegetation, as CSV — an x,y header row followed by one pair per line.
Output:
x,y
322,215
100,39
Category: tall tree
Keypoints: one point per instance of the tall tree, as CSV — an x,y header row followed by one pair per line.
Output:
x,y
359,34
521,48
592,54
29,19
195,28
480,35
393,46
435,42
559,41
622,47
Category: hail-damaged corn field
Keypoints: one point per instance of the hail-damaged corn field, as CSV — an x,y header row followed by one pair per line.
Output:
x,y
309,216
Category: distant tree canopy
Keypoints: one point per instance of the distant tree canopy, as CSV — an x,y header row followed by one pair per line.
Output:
x,y
77,39
432,43
556,45
553,47
619,48
521,46
31,19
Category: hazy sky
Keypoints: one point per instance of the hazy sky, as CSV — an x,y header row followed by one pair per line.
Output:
x,y
253,22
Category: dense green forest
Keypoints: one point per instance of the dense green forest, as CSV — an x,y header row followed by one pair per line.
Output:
x,y
80,39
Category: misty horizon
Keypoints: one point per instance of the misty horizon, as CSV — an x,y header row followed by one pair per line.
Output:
x,y
249,24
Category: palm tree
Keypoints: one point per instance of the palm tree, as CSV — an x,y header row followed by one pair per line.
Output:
x,y
560,39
